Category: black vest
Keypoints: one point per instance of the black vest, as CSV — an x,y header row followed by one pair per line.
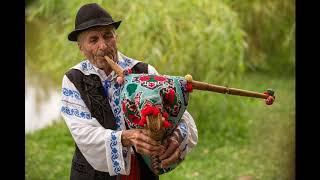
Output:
x,y
92,93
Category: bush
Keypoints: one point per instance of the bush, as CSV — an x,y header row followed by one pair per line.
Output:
x,y
270,26
202,38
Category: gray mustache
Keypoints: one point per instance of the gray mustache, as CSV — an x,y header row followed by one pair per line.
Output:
x,y
104,54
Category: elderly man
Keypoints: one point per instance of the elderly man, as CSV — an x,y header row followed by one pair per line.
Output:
x,y
104,147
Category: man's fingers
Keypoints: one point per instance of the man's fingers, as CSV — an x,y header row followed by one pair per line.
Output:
x,y
172,159
145,138
145,148
173,145
144,131
155,164
165,143
142,150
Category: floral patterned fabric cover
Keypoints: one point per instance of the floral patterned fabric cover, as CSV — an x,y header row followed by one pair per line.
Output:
x,y
168,94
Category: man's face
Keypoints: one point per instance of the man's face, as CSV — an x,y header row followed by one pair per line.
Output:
x,y
97,42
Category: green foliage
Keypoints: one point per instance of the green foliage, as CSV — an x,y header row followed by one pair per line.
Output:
x,y
270,27
226,37
237,136
48,153
191,36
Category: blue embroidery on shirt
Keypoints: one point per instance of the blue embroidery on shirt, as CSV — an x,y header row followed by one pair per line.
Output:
x,y
84,66
75,112
127,61
72,93
116,102
115,95
118,122
116,85
114,153
122,64
116,109
106,85
183,128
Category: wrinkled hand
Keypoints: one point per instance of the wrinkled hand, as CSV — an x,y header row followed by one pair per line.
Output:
x,y
168,157
141,141
172,153
155,164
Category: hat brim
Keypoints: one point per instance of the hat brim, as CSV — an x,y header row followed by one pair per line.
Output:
x,y
73,36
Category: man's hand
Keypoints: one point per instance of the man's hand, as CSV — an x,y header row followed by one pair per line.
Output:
x,y
155,164
141,141
172,153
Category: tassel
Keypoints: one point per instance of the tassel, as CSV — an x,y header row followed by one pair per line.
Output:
x,y
189,87
142,121
166,124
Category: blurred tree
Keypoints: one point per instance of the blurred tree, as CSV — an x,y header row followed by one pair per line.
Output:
x,y
212,40
270,26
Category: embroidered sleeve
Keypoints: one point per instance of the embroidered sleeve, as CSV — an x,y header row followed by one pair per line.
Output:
x,y
119,157
101,147
189,134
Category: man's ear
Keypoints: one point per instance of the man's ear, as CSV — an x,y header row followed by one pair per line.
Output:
x,y
80,48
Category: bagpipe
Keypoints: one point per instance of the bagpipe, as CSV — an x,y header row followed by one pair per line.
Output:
x,y
157,102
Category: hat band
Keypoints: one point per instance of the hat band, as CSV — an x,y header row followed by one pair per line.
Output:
x,y
94,22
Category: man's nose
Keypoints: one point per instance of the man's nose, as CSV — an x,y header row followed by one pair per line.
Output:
x,y
103,44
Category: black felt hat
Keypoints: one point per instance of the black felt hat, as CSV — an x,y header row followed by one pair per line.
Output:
x,y
91,15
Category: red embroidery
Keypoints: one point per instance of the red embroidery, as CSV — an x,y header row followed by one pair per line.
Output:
x,y
160,78
169,97
135,119
124,107
144,78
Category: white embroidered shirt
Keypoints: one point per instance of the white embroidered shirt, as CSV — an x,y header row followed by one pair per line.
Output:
x,y
102,147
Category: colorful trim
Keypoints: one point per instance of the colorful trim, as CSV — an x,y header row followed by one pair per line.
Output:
x,y
106,85
183,129
76,112
114,153
86,65
115,101
72,93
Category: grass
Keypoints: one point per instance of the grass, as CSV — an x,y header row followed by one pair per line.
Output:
x,y
250,137
237,136
49,153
